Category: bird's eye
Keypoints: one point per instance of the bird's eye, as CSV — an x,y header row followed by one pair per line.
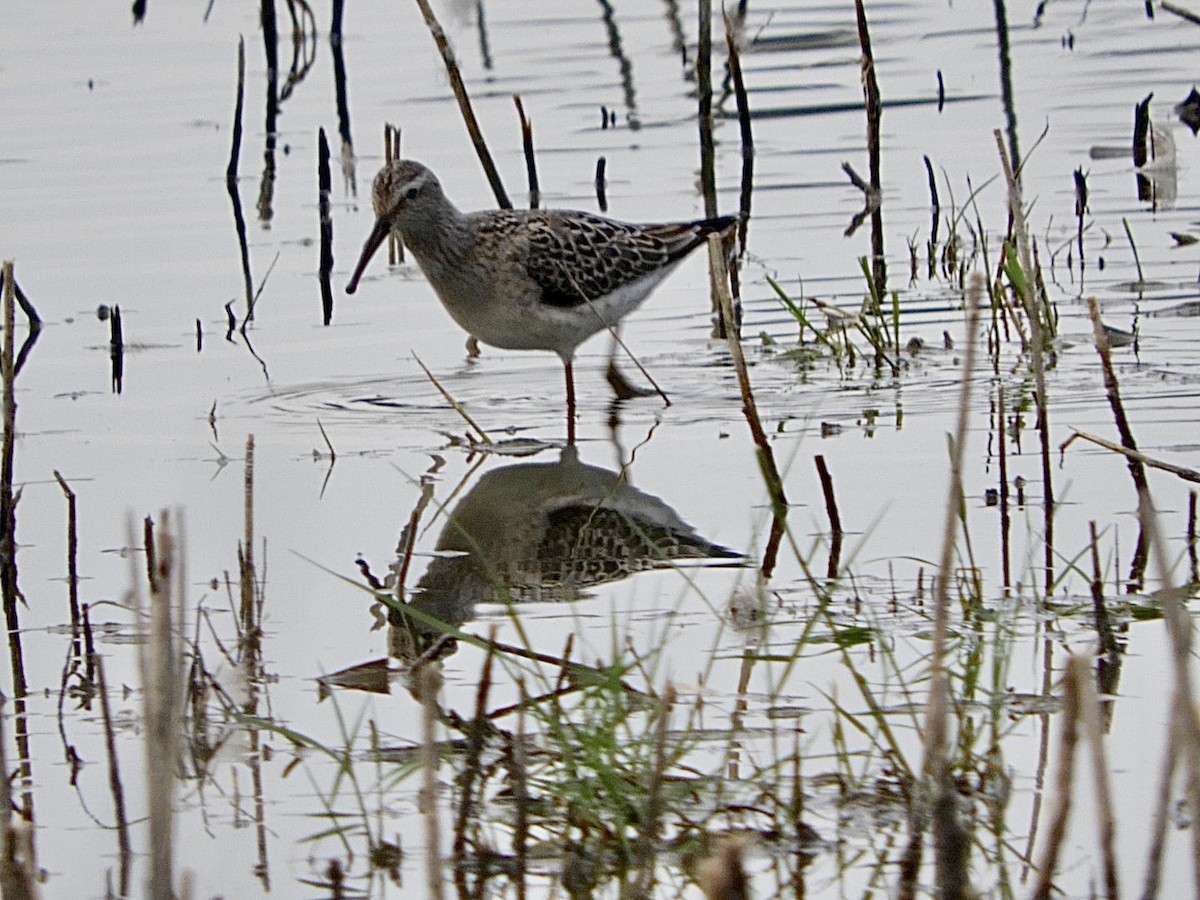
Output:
x,y
411,191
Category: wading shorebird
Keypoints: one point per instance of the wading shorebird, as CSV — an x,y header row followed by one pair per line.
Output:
x,y
526,279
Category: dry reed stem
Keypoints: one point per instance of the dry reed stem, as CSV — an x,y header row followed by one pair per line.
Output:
x,y
835,519
17,879
874,108
391,153
35,321
1134,455
454,404
1162,813
464,104
1174,8
612,330
1069,716
1104,631
159,667
325,223
235,144
746,131
248,578
601,184
535,192
72,559
1186,720
1037,345
116,349
231,179
951,863
1089,712
1111,389
9,583
471,772
115,785
1005,513
708,176
766,457
429,682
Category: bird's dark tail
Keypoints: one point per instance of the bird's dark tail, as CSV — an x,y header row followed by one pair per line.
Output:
x,y
685,237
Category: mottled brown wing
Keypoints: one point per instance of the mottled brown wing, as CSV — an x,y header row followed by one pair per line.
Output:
x,y
577,257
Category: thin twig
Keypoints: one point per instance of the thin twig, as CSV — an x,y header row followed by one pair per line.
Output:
x,y
1181,471
464,104
454,404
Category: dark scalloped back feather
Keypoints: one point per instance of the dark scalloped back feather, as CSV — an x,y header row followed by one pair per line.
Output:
x,y
578,256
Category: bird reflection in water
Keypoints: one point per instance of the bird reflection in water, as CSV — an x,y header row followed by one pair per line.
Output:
x,y
541,532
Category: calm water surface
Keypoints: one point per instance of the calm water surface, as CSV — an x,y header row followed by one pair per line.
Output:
x,y
113,193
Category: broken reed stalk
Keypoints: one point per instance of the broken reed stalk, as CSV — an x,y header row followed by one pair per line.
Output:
x,y
951,860
464,104
747,133
1104,631
535,193
1037,347
248,580
391,153
766,457
159,667
1186,719
708,176
1191,537
1137,261
72,561
835,519
235,145
124,848
10,590
1136,470
266,187
1081,203
1005,513
935,216
35,321
250,657
325,220
601,184
116,349
874,107
428,684
231,176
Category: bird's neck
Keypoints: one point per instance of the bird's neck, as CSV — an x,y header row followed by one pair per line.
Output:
x,y
439,238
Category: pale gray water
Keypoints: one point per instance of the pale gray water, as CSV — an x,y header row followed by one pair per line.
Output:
x,y
112,192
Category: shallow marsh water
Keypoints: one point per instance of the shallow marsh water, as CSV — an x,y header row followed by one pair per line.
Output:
x,y
112,192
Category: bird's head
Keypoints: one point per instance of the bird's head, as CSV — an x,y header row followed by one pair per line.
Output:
x,y
404,194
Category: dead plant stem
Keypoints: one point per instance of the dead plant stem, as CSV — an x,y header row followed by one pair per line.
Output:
x,y
464,104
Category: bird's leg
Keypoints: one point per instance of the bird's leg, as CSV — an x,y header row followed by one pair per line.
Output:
x,y
570,402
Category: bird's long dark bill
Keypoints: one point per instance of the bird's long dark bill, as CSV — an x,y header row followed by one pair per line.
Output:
x,y
374,239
